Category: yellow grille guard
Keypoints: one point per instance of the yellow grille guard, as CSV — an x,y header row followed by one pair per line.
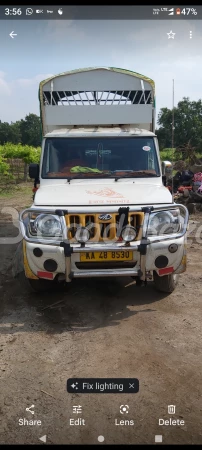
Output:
x,y
62,212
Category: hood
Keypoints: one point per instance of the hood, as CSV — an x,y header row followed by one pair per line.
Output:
x,y
102,192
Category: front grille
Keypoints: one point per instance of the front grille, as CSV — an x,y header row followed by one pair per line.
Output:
x,y
101,230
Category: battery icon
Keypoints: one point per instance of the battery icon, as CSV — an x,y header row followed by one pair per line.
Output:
x,y
178,11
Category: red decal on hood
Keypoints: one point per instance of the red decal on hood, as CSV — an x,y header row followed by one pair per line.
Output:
x,y
106,193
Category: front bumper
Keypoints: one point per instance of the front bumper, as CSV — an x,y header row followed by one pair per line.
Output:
x,y
67,256
143,265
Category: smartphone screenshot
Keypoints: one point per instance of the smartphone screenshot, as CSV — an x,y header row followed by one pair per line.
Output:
x,y
100,225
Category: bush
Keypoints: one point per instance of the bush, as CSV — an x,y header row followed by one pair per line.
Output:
x,y
4,167
25,152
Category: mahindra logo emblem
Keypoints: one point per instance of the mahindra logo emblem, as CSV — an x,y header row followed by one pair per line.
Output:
x,y
105,217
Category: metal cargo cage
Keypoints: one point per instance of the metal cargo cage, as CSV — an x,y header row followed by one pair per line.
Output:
x,y
97,96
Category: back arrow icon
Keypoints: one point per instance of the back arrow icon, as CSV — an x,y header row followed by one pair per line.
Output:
x,y
12,34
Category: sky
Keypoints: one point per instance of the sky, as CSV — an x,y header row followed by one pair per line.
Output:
x,y
43,48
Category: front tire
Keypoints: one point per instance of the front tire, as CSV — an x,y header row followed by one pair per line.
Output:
x,y
167,283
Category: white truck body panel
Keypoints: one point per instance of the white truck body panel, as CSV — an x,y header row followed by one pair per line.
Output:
x,y
102,192
102,78
140,114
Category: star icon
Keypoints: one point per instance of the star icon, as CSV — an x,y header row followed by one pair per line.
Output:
x,y
171,35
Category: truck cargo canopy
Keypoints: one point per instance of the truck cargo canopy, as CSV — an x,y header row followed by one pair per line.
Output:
x,y
97,96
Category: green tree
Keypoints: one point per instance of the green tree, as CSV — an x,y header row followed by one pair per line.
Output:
x,y
9,133
30,129
187,125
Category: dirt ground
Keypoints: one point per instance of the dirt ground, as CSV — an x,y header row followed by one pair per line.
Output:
x,y
101,328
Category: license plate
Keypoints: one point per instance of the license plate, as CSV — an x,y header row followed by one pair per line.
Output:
x,y
107,256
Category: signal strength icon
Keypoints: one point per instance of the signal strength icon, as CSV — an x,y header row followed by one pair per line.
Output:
x,y
171,12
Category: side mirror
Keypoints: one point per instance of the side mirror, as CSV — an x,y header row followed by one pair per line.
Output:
x,y
166,168
34,171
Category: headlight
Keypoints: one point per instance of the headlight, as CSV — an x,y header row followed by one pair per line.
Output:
x,y
128,233
46,225
82,235
164,222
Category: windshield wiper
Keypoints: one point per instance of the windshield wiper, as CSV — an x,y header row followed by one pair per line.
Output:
x,y
136,174
129,174
86,176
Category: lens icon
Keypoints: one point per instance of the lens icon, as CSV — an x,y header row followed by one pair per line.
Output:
x,y
124,409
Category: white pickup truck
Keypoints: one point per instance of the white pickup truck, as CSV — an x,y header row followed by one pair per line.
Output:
x,y
101,208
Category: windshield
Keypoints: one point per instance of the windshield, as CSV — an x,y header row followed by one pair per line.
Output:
x,y
100,157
